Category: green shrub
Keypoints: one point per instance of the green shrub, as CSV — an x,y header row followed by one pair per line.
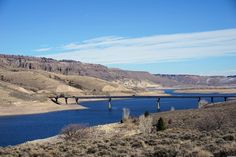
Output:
x,y
160,125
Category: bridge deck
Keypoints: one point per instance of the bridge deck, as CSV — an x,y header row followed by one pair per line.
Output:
x,y
158,97
142,97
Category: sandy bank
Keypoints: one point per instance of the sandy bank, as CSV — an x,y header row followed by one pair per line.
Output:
x,y
34,107
19,107
108,129
206,91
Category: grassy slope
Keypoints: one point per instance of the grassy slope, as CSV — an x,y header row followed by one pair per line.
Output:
x,y
26,91
182,138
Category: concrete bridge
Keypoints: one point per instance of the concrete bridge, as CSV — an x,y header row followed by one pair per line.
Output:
x,y
158,98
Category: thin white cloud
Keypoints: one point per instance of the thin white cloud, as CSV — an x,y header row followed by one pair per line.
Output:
x,y
43,49
96,42
151,49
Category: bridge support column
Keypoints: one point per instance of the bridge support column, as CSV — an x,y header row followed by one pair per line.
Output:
x,y
199,99
77,100
158,104
198,102
56,100
66,100
109,104
212,100
225,98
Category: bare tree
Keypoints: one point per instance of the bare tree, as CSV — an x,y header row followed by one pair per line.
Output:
x,y
202,103
126,113
212,121
145,124
75,132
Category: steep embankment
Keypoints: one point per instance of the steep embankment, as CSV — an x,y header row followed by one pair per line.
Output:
x,y
27,91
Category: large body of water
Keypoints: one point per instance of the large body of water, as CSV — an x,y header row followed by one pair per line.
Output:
x,y
18,129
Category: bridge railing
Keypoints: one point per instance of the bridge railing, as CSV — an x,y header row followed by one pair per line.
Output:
x,y
158,98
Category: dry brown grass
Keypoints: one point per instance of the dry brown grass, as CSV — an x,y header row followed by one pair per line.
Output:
x,y
126,114
182,138
172,142
75,132
20,87
145,124
213,121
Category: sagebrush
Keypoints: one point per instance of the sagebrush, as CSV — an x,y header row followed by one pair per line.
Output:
x,y
145,124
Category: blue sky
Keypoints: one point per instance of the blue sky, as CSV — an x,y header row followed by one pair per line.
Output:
x,y
159,36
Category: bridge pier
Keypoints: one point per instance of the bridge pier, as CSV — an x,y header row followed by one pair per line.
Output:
x,y
56,100
198,102
109,104
157,98
199,99
225,98
77,100
158,104
212,100
66,100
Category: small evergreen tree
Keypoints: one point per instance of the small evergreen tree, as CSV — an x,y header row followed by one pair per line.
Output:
x,y
160,124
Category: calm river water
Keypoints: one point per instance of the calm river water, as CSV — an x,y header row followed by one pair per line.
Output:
x,y
18,129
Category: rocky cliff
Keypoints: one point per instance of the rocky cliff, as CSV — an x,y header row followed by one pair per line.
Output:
x,y
127,78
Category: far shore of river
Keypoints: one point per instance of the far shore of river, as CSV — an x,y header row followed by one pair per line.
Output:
x,y
36,107
207,90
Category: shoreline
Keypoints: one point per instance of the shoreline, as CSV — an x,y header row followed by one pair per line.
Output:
x,y
28,114
185,134
110,127
207,91
34,108
37,108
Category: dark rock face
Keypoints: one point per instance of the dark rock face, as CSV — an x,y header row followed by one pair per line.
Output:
x,y
69,67
66,67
